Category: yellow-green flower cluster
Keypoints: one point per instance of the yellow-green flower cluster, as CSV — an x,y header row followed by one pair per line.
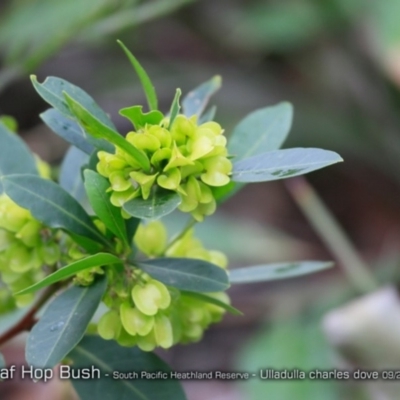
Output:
x,y
187,158
24,248
145,312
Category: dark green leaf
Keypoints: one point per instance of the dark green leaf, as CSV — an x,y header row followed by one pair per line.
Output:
x,y
131,227
63,324
139,119
51,204
70,131
89,245
212,300
2,361
148,87
52,90
111,358
271,272
70,173
159,203
96,260
98,130
96,187
196,101
15,157
282,164
175,107
261,131
187,274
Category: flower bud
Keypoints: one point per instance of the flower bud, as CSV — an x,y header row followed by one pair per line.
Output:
x,y
163,331
151,239
109,325
151,297
134,321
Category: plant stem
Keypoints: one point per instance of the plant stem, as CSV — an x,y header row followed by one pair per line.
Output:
x,y
27,322
188,226
332,234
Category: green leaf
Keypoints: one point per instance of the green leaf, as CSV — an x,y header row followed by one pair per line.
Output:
x,y
282,164
15,157
98,130
196,101
175,107
96,260
111,358
52,90
70,173
96,189
70,131
51,204
208,115
139,119
63,324
159,203
131,225
261,131
2,361
148,87
271,272
212,300
187,274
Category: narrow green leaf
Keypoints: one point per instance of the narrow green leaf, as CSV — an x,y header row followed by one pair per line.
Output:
x,y
148,87
139,119
96,260
73,133
98,130
175,107
196,101
15,157
282,164
2,361
63,324
70,172
212,300
52,90
51,204
159,203
96,187
187,274
111,358
271,272
261,131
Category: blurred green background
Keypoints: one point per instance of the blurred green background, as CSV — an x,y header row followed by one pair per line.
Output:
x,y
338,62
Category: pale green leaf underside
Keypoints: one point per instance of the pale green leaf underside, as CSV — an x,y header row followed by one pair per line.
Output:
x,y
282,164
272,272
